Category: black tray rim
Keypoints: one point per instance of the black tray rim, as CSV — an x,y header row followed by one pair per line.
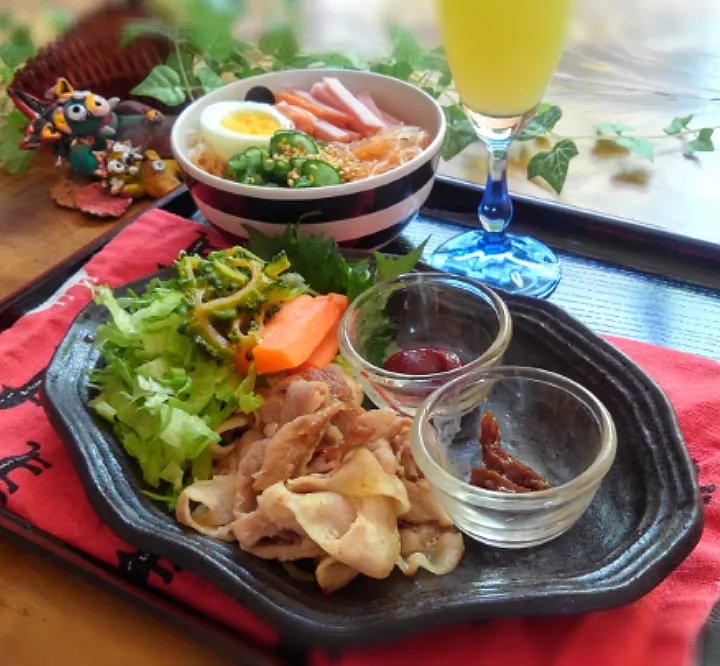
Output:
x,y
651,567
585,222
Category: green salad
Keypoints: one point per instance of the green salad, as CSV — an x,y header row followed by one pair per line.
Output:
x,y
169,381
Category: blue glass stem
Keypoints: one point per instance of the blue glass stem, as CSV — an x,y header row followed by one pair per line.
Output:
x,y
496,209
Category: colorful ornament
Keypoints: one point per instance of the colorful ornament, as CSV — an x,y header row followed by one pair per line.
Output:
x,y
75,124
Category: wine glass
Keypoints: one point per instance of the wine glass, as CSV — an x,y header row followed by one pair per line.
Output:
x,y
502,55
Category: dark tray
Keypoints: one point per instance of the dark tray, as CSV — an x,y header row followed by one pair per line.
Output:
x,y
636,292
644,521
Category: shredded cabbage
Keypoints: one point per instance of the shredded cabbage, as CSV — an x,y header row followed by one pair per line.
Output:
x,y
162,393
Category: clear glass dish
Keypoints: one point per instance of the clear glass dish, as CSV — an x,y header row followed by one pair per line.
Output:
x,y
548,422
421,310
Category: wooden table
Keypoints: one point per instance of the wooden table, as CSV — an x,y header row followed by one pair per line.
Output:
x,y
638,62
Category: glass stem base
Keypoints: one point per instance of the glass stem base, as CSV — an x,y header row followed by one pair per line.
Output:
x,y
516,264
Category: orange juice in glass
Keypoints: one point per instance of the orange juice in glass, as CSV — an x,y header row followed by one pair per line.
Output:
x,y
502,54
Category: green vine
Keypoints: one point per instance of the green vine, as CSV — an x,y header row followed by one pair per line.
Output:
x,y
206,56
16,47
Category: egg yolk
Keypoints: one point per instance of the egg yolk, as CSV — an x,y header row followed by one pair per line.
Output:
x,y
250,122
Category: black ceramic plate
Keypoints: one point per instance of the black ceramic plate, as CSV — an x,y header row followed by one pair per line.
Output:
x,y
644,521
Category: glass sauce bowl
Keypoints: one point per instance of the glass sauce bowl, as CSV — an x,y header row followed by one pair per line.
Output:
x,y
421,310
548,422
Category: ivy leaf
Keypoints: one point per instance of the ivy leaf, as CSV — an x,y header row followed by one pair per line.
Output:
x,y
209,28
613,132
234,62
460,133
247,72
326,60
17,120
133,30
433,92
12,159
163,84
406,48
281,44
59,19
678,124
612,128
542,123
209,80
552,165
18,48
398,70
643,147
183,63
436,62
703,143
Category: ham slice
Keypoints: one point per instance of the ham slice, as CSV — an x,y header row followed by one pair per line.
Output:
x,y
328,132
391,120
330,91
369,102
315,127
306,101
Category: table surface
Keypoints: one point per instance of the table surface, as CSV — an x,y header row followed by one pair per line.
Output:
x,y
638,62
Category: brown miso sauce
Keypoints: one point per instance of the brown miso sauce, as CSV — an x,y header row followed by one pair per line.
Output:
x,y
502,472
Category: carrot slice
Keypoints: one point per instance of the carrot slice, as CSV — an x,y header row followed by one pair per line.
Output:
x,y
307,122
327,350
294,332
305,101
302,119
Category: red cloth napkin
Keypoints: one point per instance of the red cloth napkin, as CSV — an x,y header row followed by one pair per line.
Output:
x,y
39,484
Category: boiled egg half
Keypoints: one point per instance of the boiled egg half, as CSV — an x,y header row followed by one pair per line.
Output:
x,y
229,128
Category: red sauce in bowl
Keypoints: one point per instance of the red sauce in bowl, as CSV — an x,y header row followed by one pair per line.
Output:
x,y
423,361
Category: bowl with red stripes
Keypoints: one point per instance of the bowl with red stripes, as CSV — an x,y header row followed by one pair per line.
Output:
x,y
367,212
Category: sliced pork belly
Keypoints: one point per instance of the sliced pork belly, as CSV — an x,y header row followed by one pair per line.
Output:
x,y
360,532
431,548
216,503
290,449
331,574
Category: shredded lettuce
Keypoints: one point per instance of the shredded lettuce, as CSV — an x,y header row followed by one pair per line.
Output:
x,y
161,392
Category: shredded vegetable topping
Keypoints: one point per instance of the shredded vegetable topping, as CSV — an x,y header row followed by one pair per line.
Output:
x,y
390,148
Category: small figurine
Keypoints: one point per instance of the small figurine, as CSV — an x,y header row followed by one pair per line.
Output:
x,y
127,171
159,177
119,168
75,124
